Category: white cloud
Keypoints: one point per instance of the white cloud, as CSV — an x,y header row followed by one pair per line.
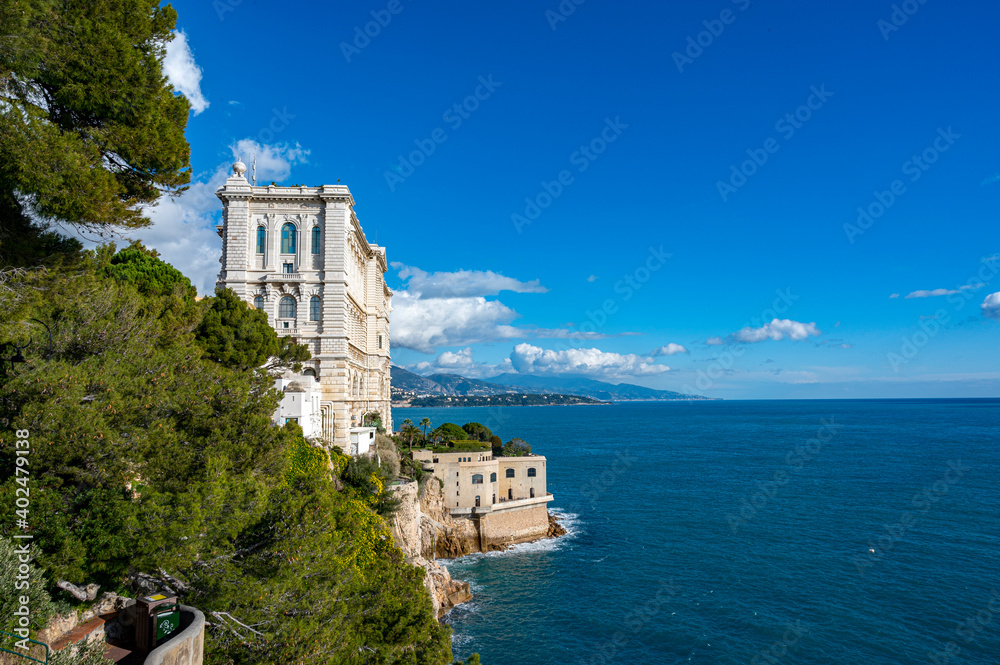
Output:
x,y
274,162
592,278
462,283
183,228
991,306
894,295
443,309
777,329
715,341
423,324
183,73
528,359
668,350
461,362
943,292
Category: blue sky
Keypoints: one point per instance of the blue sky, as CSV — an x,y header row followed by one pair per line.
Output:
x,y
560,155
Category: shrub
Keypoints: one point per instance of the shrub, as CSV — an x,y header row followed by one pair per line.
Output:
x,y
516,448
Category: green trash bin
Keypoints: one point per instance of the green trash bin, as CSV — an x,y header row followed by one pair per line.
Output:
x,y
167,622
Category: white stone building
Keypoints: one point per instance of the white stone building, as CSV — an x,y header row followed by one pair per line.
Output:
x,y
300,403
300,255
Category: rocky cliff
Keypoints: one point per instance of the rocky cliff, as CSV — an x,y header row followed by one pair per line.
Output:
x,y
408,530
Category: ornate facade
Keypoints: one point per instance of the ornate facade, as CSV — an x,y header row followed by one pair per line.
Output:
x,y
299,254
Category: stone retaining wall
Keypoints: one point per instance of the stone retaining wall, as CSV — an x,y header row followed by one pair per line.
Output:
x,y
500,528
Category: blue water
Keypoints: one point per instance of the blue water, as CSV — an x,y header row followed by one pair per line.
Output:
x,y
661,567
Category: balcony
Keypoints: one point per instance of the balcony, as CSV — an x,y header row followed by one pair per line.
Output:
x,y
284,277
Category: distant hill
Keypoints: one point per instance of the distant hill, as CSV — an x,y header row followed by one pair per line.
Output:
x,y
405,382
578,385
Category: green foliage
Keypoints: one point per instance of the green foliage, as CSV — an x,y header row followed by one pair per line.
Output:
x,y
449,432
234,334
39,601
90,130
477,431
516,448
143,269
369,481
496,443
460,446
86,653
147,456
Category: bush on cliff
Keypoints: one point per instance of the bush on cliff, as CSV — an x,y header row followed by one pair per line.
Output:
x,y
149,456
516,448
449,432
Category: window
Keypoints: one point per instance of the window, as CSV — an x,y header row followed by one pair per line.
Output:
x,y
314,308
309,371
288,238
435,460
380,341
510,473
477,479
287,268
291,420
531,472
477,501
317,235
493,479
286,308
258,302
261,239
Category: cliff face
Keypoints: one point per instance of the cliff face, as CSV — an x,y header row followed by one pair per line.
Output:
x,y
408,531
442,536
425,530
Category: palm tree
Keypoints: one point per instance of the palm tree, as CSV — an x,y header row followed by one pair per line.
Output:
x,y
425,423
409,431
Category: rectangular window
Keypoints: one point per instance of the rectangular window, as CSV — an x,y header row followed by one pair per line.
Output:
x,y
380,341
287,268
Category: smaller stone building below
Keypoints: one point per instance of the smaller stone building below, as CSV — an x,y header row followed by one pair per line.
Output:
x,y
300,403
476,482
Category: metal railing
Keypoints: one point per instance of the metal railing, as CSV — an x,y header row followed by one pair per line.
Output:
x,y
20,654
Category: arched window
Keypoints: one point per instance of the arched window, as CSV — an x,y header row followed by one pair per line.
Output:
x,y
314,308
261,239
288,238
477,501
531,472
286,308
309,371
493,479
510,473
258,302
317,237
477,479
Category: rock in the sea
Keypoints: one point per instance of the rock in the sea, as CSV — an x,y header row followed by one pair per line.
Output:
x,y
555,528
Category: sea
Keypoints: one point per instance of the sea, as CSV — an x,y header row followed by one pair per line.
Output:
x,y
820,532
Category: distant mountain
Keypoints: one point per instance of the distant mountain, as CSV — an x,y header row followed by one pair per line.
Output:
x,y
404,381
578,385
